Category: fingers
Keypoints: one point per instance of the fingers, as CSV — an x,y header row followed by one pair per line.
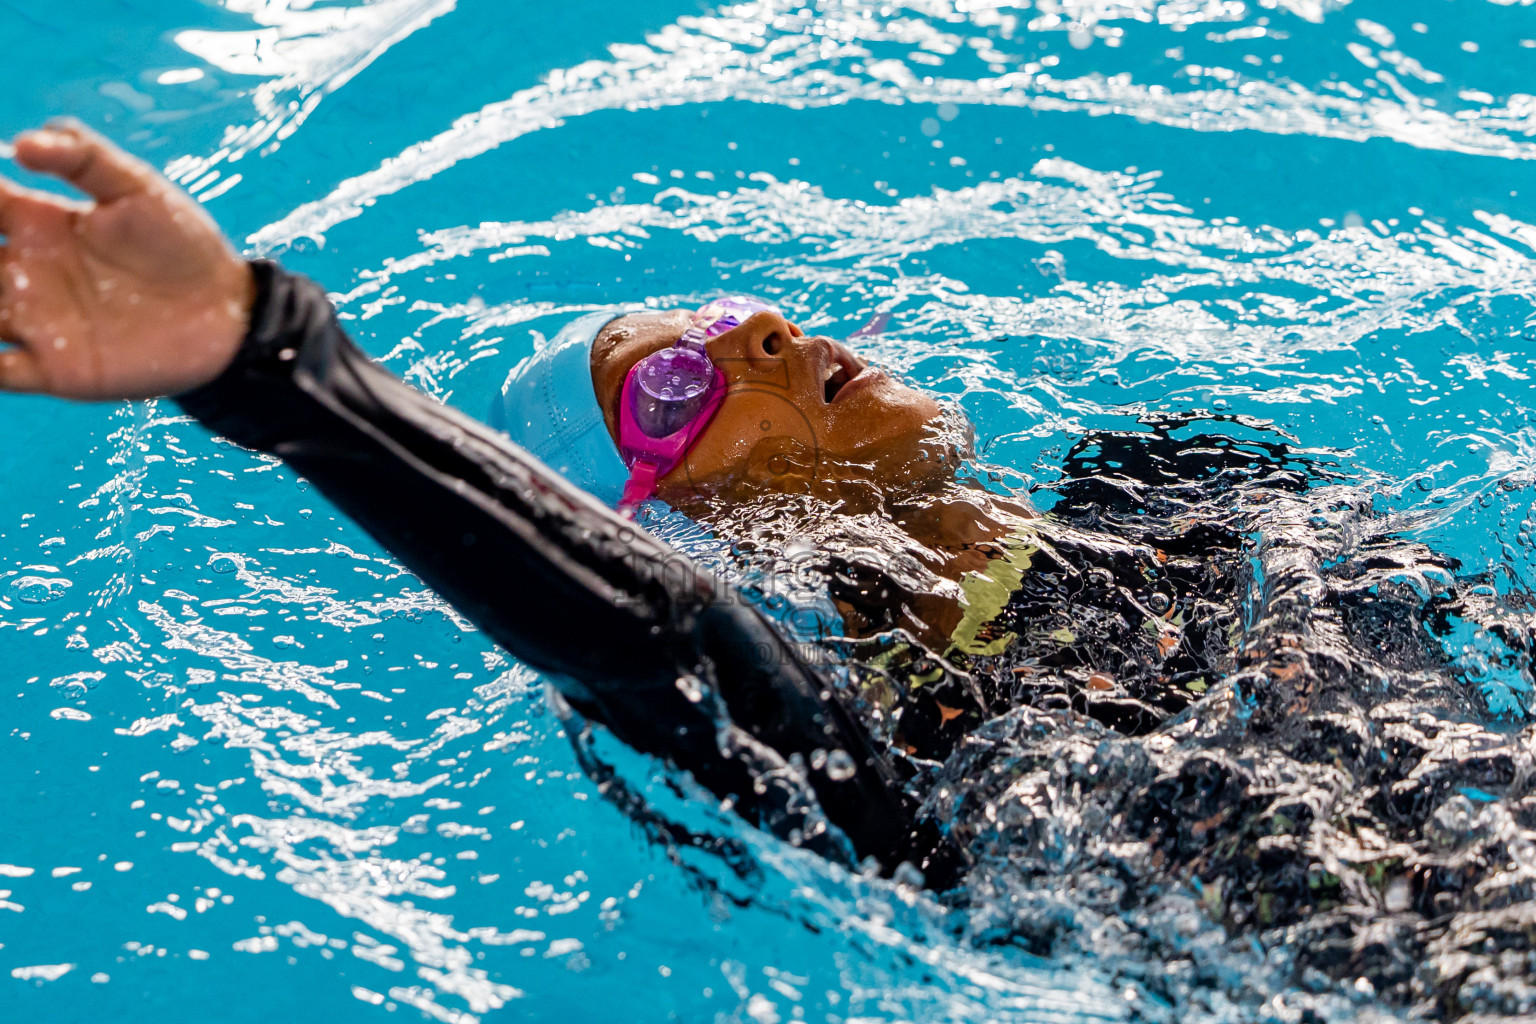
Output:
x,y
20,371
84,159
10,197
13,281
19,368
8,328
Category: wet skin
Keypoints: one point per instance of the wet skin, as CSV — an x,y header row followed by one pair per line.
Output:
x,y
802,413
131,294
808,415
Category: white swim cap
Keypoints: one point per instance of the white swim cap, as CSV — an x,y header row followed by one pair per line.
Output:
x,y
549,407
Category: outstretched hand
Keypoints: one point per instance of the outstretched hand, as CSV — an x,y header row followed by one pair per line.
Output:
x,y
132,294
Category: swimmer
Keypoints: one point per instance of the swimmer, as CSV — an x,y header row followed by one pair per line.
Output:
x,y
137,294
982,640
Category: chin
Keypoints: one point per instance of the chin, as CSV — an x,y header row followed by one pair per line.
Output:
x,y
886,414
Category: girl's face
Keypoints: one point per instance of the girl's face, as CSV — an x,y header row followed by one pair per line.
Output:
x,y
799,411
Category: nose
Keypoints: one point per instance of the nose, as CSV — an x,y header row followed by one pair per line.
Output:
x,y
762,336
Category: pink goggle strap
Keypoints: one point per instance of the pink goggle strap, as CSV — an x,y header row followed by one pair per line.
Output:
x,y
640,485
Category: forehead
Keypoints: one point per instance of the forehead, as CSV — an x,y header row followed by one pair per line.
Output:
x,y
635,334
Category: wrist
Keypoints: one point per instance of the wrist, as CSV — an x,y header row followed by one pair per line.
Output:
x,y
289,328
227,323
243,295
237,300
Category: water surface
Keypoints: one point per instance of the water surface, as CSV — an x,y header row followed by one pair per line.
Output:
x,y
252,768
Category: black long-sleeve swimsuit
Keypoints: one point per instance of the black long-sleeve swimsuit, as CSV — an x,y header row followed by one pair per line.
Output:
x,y
670,658
1166,568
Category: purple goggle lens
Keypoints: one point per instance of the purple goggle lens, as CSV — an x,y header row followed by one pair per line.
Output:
x,y
670,396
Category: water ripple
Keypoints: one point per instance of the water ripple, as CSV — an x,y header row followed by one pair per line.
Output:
x,y
836,57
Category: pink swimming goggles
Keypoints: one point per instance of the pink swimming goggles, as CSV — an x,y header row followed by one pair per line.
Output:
x,y
670,396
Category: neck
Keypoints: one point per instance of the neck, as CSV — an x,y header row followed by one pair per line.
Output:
x,y
923,538
958,529
960,524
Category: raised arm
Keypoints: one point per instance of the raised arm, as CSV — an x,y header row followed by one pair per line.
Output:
x,y
133,294
138,294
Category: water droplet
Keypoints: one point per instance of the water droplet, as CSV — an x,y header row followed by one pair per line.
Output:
x,y
224,563
691,687
38,589
840,767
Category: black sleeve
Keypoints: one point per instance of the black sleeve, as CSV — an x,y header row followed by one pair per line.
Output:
x,y
565,584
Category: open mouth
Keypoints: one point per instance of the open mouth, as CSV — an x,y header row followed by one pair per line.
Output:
x,y
842,367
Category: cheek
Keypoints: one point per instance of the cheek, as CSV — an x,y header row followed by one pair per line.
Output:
x,y
750,422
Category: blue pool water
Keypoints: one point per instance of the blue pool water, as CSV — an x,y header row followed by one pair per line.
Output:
x,y
253,771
